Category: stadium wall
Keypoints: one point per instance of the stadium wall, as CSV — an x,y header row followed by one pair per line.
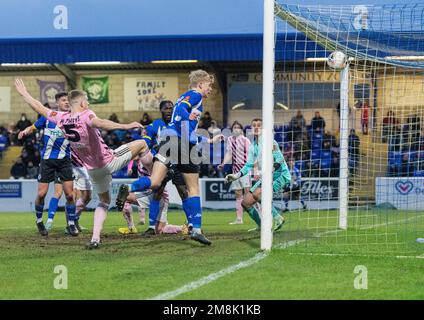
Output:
x,y
319,193
213,104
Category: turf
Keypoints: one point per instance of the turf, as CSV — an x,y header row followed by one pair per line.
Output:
x,y
311,259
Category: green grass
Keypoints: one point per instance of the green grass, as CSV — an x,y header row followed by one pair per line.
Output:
x,y
320,266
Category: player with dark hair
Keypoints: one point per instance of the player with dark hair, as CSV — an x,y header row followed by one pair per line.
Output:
x,y
180,149
80,126
154,134
55,167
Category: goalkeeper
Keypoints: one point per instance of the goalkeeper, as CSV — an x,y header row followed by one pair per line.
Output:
x,y
281,176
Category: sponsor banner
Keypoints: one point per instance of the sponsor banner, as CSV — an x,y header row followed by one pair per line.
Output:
x,y
145,92
406,193
10,189
48,91
215,194
97,89
318,193
26,191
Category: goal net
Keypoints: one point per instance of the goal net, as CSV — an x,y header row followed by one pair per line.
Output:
x,y
354,137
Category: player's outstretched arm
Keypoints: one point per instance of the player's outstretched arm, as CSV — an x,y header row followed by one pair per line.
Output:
x,y
26,132
110,125
36,105
227,159
217,138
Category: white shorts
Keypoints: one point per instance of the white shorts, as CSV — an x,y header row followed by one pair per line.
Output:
x,y
102,177
81,179
144,202
239,184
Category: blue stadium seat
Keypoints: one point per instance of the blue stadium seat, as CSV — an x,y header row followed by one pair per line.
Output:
x,y
326,154
418,173
317,136
395,158
316,144
325,163
394,163
278,136
300,165
315,154
412,156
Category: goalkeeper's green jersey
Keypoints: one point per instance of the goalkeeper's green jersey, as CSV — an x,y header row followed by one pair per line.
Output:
x,y
255,155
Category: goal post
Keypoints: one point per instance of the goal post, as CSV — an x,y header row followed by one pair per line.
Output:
x,y
359,176
267,123
344,140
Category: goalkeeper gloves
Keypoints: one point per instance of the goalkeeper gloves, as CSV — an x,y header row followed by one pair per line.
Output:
x,y
232,177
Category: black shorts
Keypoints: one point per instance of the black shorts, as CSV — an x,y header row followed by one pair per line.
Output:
x,y
174,154
175,175
55,170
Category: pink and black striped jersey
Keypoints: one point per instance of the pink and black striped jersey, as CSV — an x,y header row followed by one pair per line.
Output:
x,y
238,146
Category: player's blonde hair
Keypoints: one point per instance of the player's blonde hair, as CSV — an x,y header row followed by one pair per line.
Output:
x,y
75,95
197,76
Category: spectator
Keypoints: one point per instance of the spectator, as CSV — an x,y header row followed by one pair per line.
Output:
x,y
37,158
407,166
365,117
328,140
112,141
22,123
414,131
20,126
213,129
297,125
206,120
353,149
25,157
146,120
317,122
390,125
113,117
18,170
32,171
3,144
11,133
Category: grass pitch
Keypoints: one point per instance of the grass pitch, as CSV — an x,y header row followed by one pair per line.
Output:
x,y
311,259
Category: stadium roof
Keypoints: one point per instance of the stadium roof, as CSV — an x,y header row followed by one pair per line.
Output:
x,y
33,31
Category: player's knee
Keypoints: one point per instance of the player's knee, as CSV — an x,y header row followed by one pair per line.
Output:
x,y
69,198
41,195
86,198
245,204
182,191
157,196
103,205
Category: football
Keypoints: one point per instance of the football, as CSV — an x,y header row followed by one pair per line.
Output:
x,y
337,60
